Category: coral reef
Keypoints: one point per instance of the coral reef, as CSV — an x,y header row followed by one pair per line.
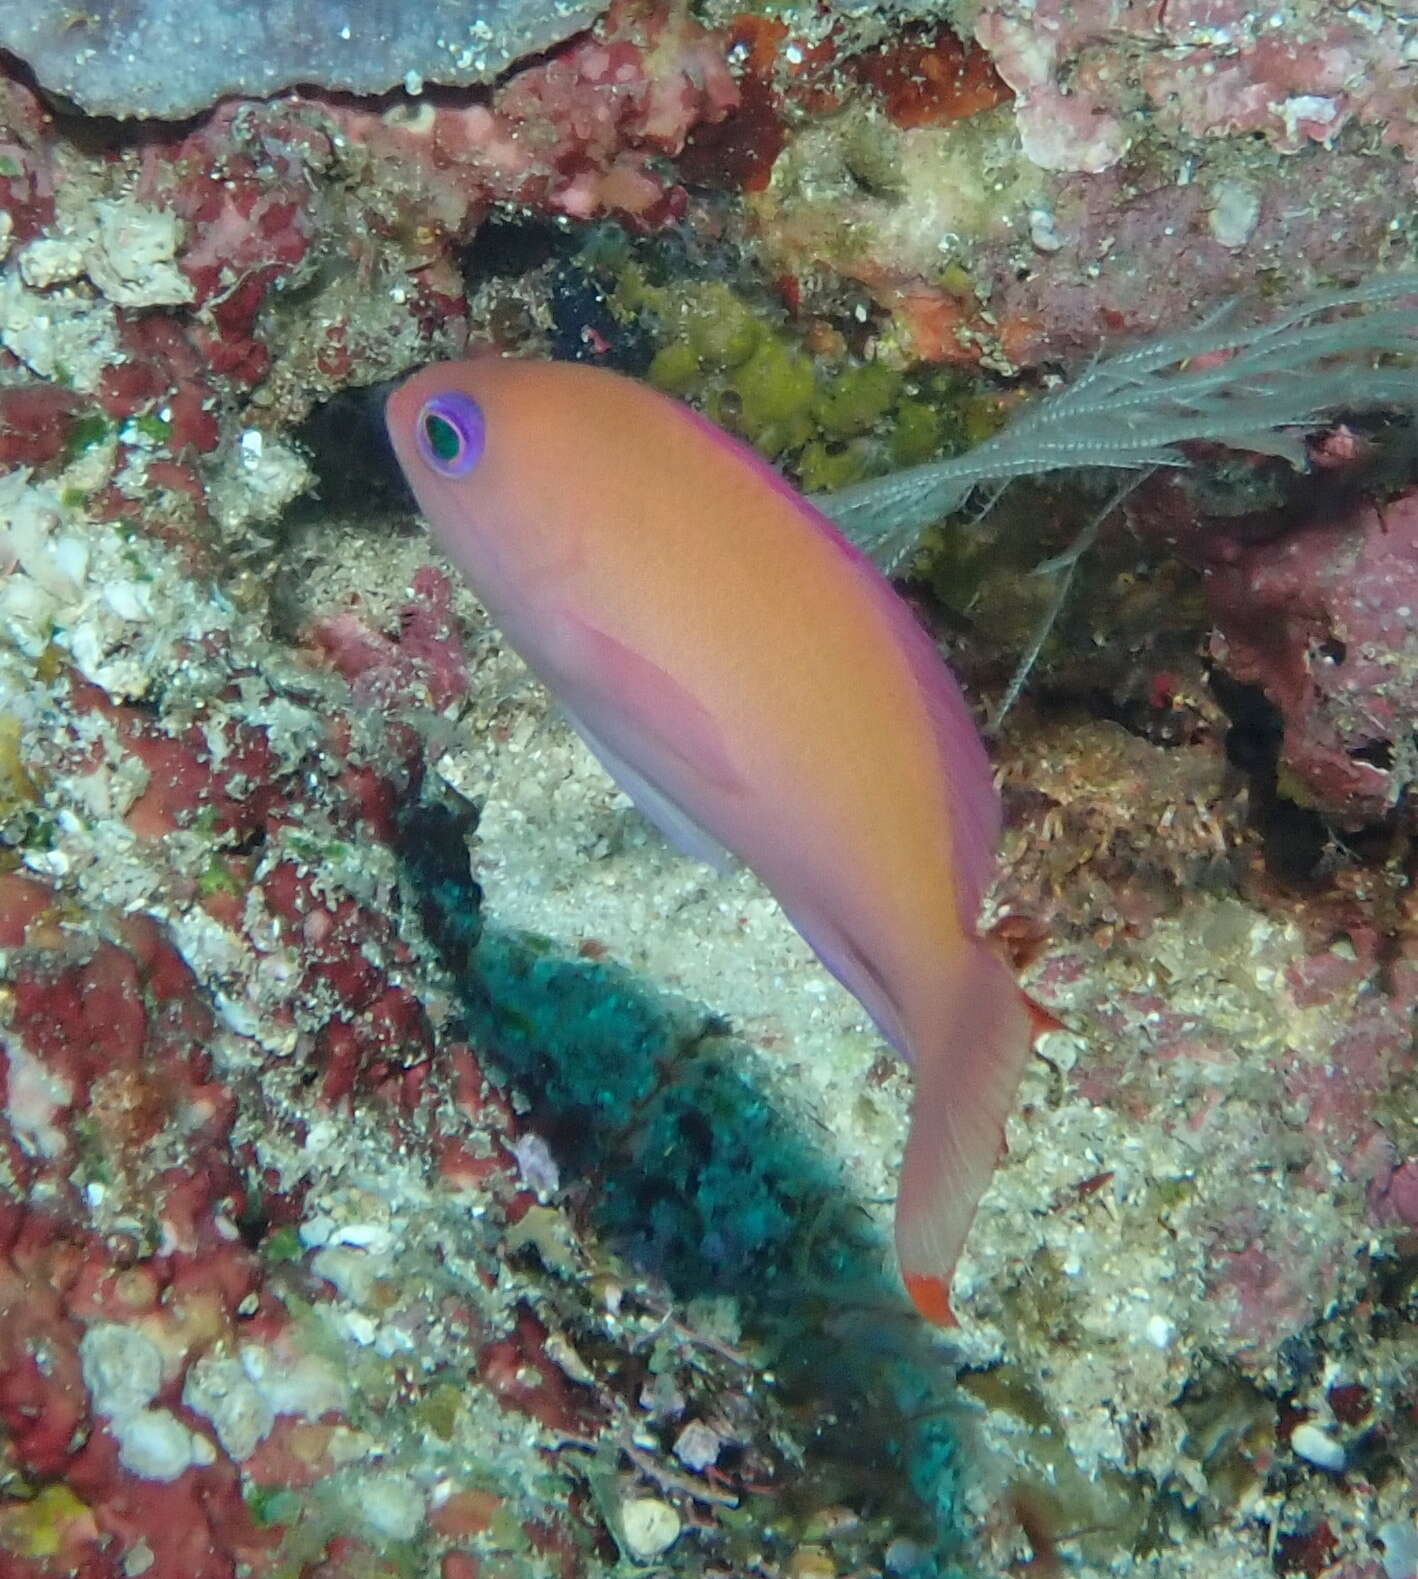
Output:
x,y
1098,166
196,294
288,1285
409,1165
1321,619
1085,79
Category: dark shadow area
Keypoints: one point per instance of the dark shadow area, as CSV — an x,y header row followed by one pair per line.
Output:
x,y
511,245
1294,837
348,448
671,1155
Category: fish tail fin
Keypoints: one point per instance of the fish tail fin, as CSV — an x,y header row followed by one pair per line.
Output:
x,y
965,1087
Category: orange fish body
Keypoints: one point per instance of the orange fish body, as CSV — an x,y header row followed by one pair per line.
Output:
x,y
757,687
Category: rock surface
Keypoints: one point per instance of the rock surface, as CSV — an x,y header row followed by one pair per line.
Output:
x,y
167,60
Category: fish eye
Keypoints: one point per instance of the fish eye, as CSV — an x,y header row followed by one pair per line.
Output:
x,y
451,434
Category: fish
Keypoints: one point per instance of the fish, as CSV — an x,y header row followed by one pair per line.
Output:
x,y
762,693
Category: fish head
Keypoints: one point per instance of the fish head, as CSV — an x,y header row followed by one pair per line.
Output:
x,y
488,446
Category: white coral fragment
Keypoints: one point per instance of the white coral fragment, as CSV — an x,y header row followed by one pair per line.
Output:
x,y
51,260
122,1368
155,1445
218,1387
257,481
31,537
45,564
1235,212
37,1095
132,256
63,335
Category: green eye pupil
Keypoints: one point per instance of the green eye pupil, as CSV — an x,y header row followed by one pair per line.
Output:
x,y
443,437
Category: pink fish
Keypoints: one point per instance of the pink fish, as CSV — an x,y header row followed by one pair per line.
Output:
x,y
756,687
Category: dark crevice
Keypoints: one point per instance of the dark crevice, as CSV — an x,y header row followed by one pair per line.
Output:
x,y
1294,838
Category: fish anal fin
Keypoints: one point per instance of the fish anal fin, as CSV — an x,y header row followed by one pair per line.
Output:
x,y
852,964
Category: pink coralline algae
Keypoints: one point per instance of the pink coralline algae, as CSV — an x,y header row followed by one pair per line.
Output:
x,y
1152,161
166,1396
424,660
1276,1273
307,243
34,419
1322,618
376,1033
1278,1260
121,1235
1294,77
578,135
241,190
1080,129
1086,77
1400,1193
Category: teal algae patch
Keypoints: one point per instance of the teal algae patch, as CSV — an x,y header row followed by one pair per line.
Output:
x,y
682,1168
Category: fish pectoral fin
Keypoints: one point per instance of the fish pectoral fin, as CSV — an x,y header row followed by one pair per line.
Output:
x,y
965,1086
614,695
660,709
679,829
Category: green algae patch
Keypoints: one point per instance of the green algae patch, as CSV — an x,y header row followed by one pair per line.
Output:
x,y
857,399
43,1526
84,433
273,1506
722,330
438,1409
675,369
817,392
823,468
148,425
282,1245
775,390
917,433
220,877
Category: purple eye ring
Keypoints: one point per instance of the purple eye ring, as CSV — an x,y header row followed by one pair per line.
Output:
x,y
452,433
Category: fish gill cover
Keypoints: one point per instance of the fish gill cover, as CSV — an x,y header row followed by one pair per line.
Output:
x,y
168,59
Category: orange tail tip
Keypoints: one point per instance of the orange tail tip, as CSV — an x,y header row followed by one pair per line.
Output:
x,y
966,1078
1042,1019
931,1296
